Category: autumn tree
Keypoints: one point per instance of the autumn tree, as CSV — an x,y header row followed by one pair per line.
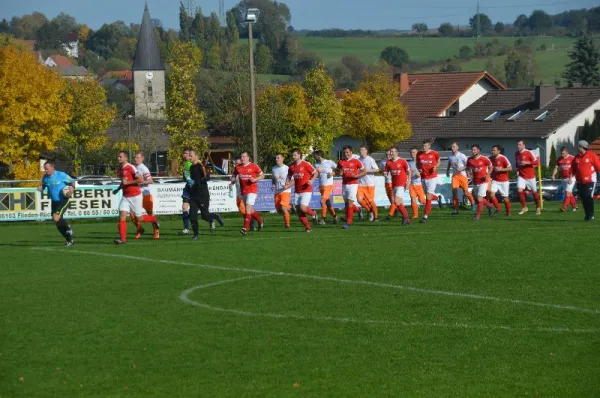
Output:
x,y
184,118
375,114
325,109
34,112
90,117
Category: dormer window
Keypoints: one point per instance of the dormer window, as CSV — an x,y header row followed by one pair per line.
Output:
x,y
493,116
517,115
542,117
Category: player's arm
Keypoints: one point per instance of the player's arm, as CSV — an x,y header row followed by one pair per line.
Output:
x,y
137,179
437,165
448,169
202,175
259,177
313,177
535,162
554,172
148,179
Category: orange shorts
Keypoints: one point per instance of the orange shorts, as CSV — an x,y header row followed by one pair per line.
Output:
x,y
326,192
282,201
367,192
460,182
148,204
417,192
241,205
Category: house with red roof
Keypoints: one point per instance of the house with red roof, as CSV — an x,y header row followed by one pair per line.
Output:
x,y
58,61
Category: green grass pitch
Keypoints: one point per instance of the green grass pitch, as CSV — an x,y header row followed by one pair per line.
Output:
x,y
502,307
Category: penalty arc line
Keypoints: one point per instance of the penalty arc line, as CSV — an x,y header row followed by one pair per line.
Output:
x,y
184,297
337,280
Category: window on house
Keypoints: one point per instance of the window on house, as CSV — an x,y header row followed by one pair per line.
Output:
x,y
542,117
149,89
517,115
493,116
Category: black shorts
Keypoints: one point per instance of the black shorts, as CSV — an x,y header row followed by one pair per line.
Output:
x,y
59,207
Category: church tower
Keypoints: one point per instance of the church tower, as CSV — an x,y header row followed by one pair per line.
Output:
x,y
148,74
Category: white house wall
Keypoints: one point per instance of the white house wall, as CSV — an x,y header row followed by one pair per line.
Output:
x,y
567,135
473,94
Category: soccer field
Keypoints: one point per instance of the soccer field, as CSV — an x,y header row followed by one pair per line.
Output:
x,y
502,307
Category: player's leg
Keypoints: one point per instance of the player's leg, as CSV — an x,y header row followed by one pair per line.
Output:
x,y
349,193
58,210
285,208
521,185
532,185
399,202
464,185
455,187
185,210
430,186
413,200
323,201
124,209
329,203
371,198
389,191
193,216
481,191
361,196
302,202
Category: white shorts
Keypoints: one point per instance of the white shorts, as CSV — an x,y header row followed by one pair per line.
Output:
x,y
503,187
568,184
302,199
399,192
430,185
249,199
133,205
480,190
530,184
349,192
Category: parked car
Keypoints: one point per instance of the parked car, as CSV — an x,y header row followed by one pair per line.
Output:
x,y
550,190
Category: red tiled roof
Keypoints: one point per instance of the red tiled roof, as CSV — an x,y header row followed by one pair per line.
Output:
x,y
430,94
339,94
220,139
61,61
120,74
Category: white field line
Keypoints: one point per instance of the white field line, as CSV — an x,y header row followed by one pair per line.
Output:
x,y
476,297
316,234
184,297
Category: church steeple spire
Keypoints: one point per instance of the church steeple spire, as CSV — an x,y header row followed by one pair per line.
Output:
x,y
147,54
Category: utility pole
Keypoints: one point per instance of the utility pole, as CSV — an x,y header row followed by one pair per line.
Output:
x,y
252,96
478,21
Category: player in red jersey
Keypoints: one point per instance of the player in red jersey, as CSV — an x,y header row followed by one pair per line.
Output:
x,y
351,169
526,163
301,175
500,168
567,183
399,171
132,200
480,168
428,162
248,175
585,167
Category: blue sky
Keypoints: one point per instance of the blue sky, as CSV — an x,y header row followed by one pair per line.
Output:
x,y
306,14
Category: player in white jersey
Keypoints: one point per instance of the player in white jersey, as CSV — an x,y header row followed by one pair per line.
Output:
x,y
366,184
148,201
457,162
326,171
281,194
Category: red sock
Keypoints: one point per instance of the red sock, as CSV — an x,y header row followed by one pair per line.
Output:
x,y
479,208
522,199
573,202
355,209
536,196
122,230
486,203
149,219
434,197
310,212
257,217
427,207
495,202
134,221
247,219
349,214
507,205
455,202
402,210
566,202
303,219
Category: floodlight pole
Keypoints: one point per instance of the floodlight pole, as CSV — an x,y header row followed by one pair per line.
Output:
x,y
252,96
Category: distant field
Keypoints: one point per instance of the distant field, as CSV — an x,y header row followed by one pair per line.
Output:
x,y
368,49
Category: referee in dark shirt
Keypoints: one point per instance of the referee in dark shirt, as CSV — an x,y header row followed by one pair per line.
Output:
x,y
200,200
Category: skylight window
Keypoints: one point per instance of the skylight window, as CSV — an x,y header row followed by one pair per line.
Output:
x,y
493,116
542,117
517,115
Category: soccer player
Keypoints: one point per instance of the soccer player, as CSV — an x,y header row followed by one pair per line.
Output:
x,y
584,167
416,185
302,174
132,199
282,194
148,201
351,169
400,171
500,168
55,181
526,163
428,162
325,168
185,196
200,195
563,163
480,168
458,162
366,184
389,191
248,174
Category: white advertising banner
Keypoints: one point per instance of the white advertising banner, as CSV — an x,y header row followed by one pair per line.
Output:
x,y
167,197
